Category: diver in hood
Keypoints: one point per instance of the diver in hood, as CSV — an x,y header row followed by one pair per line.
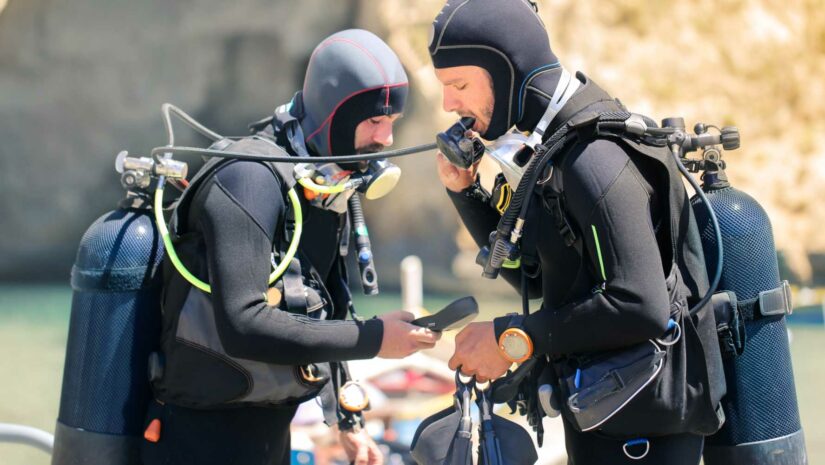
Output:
x,y
235,361
602,255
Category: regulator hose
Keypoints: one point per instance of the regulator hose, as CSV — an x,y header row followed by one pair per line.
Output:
x,y
714,284
171,149
167,109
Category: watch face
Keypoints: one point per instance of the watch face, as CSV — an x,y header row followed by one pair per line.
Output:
x,y
515,346
353,397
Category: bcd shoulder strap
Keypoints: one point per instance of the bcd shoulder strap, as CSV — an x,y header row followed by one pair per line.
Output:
x,y
583,115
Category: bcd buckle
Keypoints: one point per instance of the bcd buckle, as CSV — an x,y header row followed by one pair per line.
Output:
x,y
307,372
776,301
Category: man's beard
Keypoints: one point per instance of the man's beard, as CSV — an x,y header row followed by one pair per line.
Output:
x,y
486,115
371,148
361,165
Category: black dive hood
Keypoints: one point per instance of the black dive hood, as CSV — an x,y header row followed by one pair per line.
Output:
x,y
505,37
351,76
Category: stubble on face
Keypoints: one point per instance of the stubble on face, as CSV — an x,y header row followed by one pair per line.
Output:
x,y
483,122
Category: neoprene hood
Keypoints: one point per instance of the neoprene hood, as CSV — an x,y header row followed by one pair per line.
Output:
x,y
505,37
351,76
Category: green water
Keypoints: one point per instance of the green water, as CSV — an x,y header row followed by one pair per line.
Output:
x,y
33,328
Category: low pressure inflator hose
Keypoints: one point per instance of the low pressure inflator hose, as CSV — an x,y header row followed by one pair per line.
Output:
x,y
192,279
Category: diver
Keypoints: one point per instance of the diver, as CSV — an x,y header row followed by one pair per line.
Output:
x,y
597,252
238,356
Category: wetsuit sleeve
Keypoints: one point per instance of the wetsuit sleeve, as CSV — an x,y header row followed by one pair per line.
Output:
x,y
239,222
481,219
629,303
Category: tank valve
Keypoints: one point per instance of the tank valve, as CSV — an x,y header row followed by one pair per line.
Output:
x,y
137,172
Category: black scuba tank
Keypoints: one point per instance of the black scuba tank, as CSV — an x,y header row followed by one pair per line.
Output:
x,y
762,424
114,325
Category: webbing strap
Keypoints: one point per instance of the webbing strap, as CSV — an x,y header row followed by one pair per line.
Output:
x,y
565,89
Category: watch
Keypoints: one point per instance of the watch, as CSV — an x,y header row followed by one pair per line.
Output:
x,y
514,343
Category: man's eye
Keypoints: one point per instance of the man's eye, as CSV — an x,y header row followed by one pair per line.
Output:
x,y
374,121
461,86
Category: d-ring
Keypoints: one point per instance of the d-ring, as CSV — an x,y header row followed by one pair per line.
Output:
x,y
547,178
636,442
676,337
460,377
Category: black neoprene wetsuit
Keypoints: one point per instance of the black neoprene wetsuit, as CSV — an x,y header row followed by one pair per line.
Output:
x,y
608,193
240,219
241,216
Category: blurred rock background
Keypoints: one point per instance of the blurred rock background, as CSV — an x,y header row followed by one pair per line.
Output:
x,y
82,80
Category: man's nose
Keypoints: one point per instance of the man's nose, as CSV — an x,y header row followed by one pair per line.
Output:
x,y
383,134
449,102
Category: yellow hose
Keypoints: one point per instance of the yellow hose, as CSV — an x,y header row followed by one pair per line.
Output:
x,y
192,279
309,184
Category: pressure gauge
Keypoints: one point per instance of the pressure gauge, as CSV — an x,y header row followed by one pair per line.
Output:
x,y
353,397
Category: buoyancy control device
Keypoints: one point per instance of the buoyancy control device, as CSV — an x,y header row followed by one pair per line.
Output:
x,y
749,299
116,279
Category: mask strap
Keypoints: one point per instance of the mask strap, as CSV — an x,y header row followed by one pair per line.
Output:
x,y
565,89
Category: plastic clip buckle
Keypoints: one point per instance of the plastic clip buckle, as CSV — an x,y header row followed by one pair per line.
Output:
x,y
776,301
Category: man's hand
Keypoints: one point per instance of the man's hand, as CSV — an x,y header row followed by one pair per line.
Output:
x,y
401,338
453,177
360,448
476,352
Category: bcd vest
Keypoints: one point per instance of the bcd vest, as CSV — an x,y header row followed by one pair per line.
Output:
x,y
193,368
676,389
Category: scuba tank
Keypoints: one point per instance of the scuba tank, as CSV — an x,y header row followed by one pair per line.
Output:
x,y
114,325
762,424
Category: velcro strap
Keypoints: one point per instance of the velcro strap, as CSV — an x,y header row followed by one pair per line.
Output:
x,y
729,324
585,125
773,302
584,119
